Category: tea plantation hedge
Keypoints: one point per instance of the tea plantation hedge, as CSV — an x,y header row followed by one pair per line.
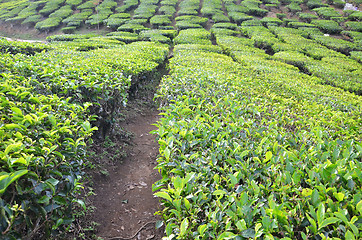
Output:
x,y
51,104
256,150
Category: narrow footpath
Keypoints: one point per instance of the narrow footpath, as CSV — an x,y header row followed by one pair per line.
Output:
x,y
124,201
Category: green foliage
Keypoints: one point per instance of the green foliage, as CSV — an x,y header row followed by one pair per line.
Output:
x,y
239,17
73,2
48,24
69,37
270,20
62,12
337,3
87,5
307,17
327,12
337,44
127,6
68,30
160,20
126,37
21,47
145,11
78,19
32,20
50,7
253,150
355,15
327,26
356,55
132,27
316,4
193,36
252,7
48,101
294,7
167,10
301,25
154,36
354,26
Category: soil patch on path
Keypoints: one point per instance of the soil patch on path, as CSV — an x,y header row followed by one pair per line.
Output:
x,y
124,201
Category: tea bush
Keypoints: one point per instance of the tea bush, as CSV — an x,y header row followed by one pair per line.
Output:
x,y
48,101
245,154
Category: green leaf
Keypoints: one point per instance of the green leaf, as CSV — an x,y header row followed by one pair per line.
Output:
x,y
159,224
359,207
163,195
226,235
17,111
201,229
184,226
328,221
167,153
6,179
268,156
219,192
338,196
320,213
350,236
313,226
241,225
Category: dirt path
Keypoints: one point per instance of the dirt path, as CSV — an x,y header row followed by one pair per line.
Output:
x,y
124,199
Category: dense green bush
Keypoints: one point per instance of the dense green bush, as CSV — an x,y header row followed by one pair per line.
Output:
x,y
145,11
126,37
327,12
87,5
154,36
271,20
78,19
62,12
50,7
316,4
327,26
32,20
160,20
356,36
167,10
307,17
239,17
132,27
219,17
249,152
46,112
192,19
68,30
354,26
29,11
253,8
48,24
21,47
294,7
356,55
337,3
127,6
116,20
301,25
98,17
337,44
355,15
193,36
73,2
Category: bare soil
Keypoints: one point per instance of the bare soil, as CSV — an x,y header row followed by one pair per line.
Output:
x,y
124,200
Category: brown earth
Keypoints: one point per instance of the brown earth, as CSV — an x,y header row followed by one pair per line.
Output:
x,y
124,200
